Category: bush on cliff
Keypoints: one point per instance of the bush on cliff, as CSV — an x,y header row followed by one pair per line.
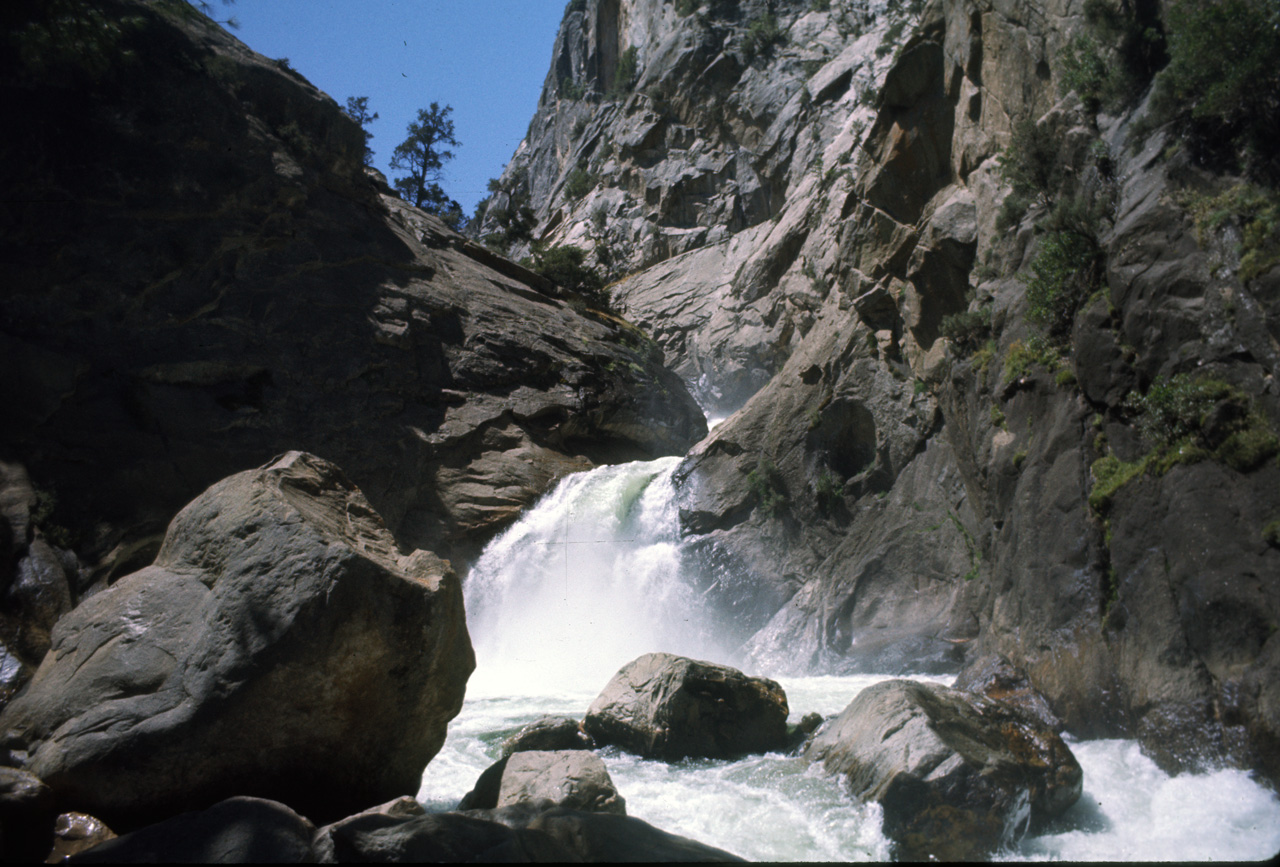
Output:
x,y
1221,89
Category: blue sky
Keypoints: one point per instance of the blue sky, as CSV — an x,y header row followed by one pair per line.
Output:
x,y
486,58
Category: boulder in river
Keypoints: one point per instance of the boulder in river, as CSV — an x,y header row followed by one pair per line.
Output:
x,y
548,733
576,779
670,707
957,774
280,646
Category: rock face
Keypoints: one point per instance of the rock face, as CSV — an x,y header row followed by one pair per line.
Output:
x,y
281,645
956,774
225,283
798,217
669,707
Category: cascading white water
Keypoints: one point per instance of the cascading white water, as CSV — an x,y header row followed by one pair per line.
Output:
x,y
592,577
586,582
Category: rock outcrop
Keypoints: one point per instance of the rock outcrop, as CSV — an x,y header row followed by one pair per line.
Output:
x,y
548,733
282,645
669,707
219,281
920,472
957,775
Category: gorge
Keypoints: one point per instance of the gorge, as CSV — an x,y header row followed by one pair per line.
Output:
x,y
989,345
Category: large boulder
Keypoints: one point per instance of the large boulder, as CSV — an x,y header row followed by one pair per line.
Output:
x,y
548,733
603,837
670,707
575,779
280,646
957,774
234,831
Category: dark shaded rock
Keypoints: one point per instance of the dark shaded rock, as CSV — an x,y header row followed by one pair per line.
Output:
x,y
997,678
235,831
39,595
669,707
400,835
278,301
484,794
604,837
956,774
27,816
548,733
280,616
74,833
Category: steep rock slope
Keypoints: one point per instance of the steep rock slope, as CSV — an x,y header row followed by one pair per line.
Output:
x,y
215,280
903,488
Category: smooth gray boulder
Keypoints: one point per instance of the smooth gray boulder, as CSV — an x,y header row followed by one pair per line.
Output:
x,y
281,646
957,774
234,831
575,779
670,707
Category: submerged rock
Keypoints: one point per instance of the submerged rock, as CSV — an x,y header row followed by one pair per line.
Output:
x,y
956,774
280,646
670,707
548,733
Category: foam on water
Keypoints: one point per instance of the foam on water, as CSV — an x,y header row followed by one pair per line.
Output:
x,y
593,577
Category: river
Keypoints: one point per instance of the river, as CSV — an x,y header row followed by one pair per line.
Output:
x,y
593,576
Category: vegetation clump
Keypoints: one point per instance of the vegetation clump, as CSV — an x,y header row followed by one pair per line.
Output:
x,y
1255,210
1219,87
1184,420
564,266
579,182
766,487
762,34
1035,350
624,74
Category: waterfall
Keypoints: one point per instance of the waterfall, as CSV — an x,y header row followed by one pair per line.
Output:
x,y
589,578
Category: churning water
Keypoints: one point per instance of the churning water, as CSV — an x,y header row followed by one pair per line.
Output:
x,y
593,577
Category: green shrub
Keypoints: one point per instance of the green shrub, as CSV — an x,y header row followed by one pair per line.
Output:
x,y
624,74
1066,270
1032,351
1085,71
819,5
765,485
1174,417
1271,534
685,8
563,265
1110,474
1031,168
967,330
762,34
570,89
1255,210
1175,408
1219,88
829,492
579,182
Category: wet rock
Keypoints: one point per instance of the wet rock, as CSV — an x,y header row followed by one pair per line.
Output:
x,y
280,615
670,707
74,833
957,775
39,595
27,816
548,733
234,831
997,678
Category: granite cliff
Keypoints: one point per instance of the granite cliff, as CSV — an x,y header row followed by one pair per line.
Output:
x,y
999,353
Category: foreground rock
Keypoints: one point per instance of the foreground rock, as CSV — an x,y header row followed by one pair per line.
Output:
x,y
956,774
26,816
234,831
604,837
281,646
669,707
574,779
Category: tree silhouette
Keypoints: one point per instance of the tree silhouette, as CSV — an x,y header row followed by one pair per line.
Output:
x,y
358,110
423,155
